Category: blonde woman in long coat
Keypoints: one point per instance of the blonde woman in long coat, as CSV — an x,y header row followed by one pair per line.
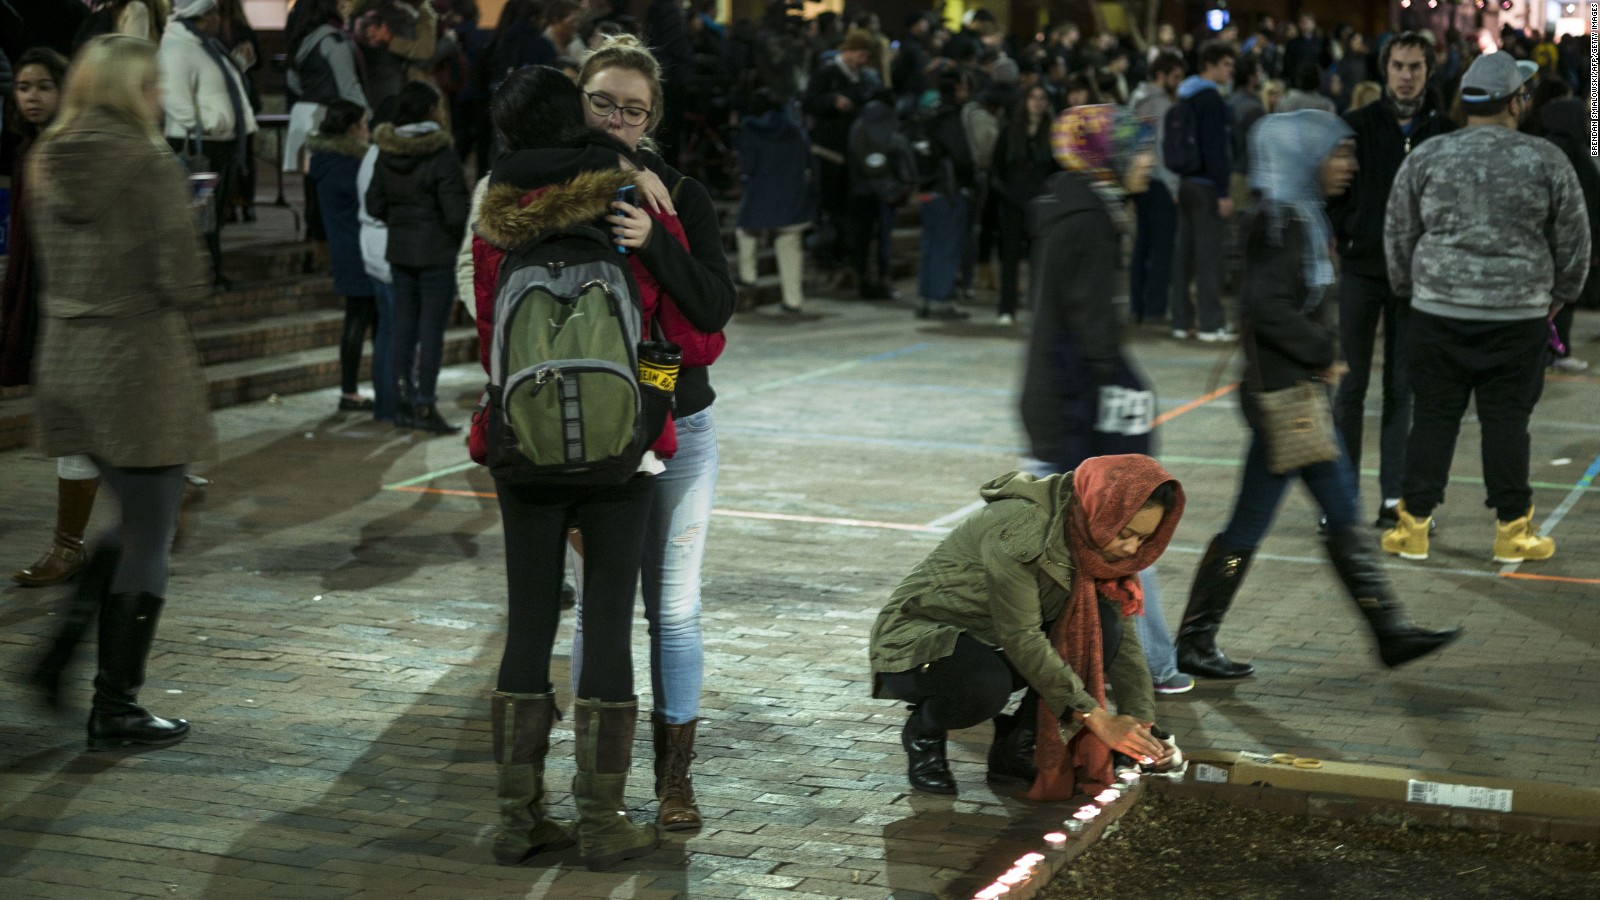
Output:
x,y
118,377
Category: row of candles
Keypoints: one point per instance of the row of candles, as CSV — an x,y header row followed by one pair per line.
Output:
x,y
1025,865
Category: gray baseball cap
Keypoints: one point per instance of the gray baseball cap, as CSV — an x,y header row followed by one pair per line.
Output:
x,y
1495,76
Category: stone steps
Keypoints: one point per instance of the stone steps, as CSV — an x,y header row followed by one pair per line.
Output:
x,y
276,331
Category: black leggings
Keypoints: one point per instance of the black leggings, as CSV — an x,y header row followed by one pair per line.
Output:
x,y
613,521
975,681
149,499
360,317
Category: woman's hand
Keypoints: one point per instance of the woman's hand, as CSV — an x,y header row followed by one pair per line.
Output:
x,y
654,192
630,225
1127,735
1332,374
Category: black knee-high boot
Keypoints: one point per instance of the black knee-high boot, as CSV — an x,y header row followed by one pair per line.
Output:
x,y
1399,639
1215,582
79,614
127,629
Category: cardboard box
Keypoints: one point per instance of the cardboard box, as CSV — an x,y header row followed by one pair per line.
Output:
x,y
1394,784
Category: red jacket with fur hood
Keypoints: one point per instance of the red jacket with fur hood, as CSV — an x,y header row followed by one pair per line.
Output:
x,y
570,187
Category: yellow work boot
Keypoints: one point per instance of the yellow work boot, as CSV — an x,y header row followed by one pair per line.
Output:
x,y
1516,541
1409,539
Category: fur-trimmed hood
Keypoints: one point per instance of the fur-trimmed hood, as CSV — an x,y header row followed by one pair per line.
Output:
x,y
512,215
342,144
391,140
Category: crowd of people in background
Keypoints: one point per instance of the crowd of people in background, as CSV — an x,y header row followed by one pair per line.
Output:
x,y
1264,177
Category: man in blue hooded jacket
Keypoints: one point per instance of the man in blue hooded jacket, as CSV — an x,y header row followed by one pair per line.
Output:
x,y
1204,204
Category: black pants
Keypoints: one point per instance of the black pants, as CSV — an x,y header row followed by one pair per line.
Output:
x,y
1364,303
975,681
1150,272
360,317
866,212
1201,254
222,157
613,521
1500,365
835,201
1013,250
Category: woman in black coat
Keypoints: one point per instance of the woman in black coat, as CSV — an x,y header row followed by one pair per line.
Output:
x,y
418,191
1297,160
1022,162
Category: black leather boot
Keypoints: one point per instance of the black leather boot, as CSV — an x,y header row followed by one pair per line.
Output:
x,y
427,419
926,766
1011,753
127,628
79,614
1215,583
1399,639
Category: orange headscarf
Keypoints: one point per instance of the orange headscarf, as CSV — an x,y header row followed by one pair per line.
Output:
x,y
1107,492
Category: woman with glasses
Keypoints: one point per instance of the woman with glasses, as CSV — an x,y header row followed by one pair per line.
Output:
x,y
621,84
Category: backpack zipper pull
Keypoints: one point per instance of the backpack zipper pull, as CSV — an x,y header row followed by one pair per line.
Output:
x,y
555,267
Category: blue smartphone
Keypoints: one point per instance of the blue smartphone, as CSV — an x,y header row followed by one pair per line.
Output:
x,y
629,194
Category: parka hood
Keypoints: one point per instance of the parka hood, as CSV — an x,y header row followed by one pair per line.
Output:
x,y
342,144
776,123
89,165
1066,194
513,214
404,149
1052,495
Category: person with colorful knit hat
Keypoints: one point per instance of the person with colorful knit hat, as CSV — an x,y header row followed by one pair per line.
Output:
x,y
1082,396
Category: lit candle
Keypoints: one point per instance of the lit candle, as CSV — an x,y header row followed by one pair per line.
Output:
x,y
1013,877
1073,826
1087,813
1107,796
1130,777
1031,859
1056,840
991,892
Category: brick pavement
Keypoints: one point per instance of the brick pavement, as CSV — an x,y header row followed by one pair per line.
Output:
x,y
334,642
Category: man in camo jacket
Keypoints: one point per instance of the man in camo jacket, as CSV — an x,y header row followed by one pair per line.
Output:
x,y
1487,233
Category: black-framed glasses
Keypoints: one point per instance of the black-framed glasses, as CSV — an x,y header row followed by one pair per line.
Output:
x,y
604,106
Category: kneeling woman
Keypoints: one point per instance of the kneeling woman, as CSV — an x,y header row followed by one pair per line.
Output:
x,y
1034,590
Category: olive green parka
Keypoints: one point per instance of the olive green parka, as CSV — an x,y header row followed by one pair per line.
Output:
x,y
1002,576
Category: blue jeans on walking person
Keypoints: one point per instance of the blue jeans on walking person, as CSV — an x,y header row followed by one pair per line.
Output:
x,y
944,229
674,547
1331,483
422,301
385,391
1154,639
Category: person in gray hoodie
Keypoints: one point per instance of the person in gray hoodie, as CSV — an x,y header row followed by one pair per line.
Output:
x,y
1487,233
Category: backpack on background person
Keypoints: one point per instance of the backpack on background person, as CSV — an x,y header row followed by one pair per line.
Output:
x,y
1180,139
881,158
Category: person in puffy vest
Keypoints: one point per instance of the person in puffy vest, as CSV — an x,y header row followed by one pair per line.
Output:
x,y
419,192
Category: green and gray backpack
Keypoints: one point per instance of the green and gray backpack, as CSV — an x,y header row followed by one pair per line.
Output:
x,y
565,404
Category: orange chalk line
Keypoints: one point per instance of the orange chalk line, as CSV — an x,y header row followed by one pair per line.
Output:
x,y
1196,403
1561,578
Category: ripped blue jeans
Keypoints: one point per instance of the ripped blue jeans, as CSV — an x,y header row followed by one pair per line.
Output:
x,y
674,547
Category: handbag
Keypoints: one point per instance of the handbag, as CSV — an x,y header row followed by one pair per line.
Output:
x,y
1298,422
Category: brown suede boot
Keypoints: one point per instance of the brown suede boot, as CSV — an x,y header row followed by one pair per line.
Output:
x,y
65,557
674,790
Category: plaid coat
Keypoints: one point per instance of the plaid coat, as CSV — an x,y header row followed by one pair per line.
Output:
x,y
118,377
